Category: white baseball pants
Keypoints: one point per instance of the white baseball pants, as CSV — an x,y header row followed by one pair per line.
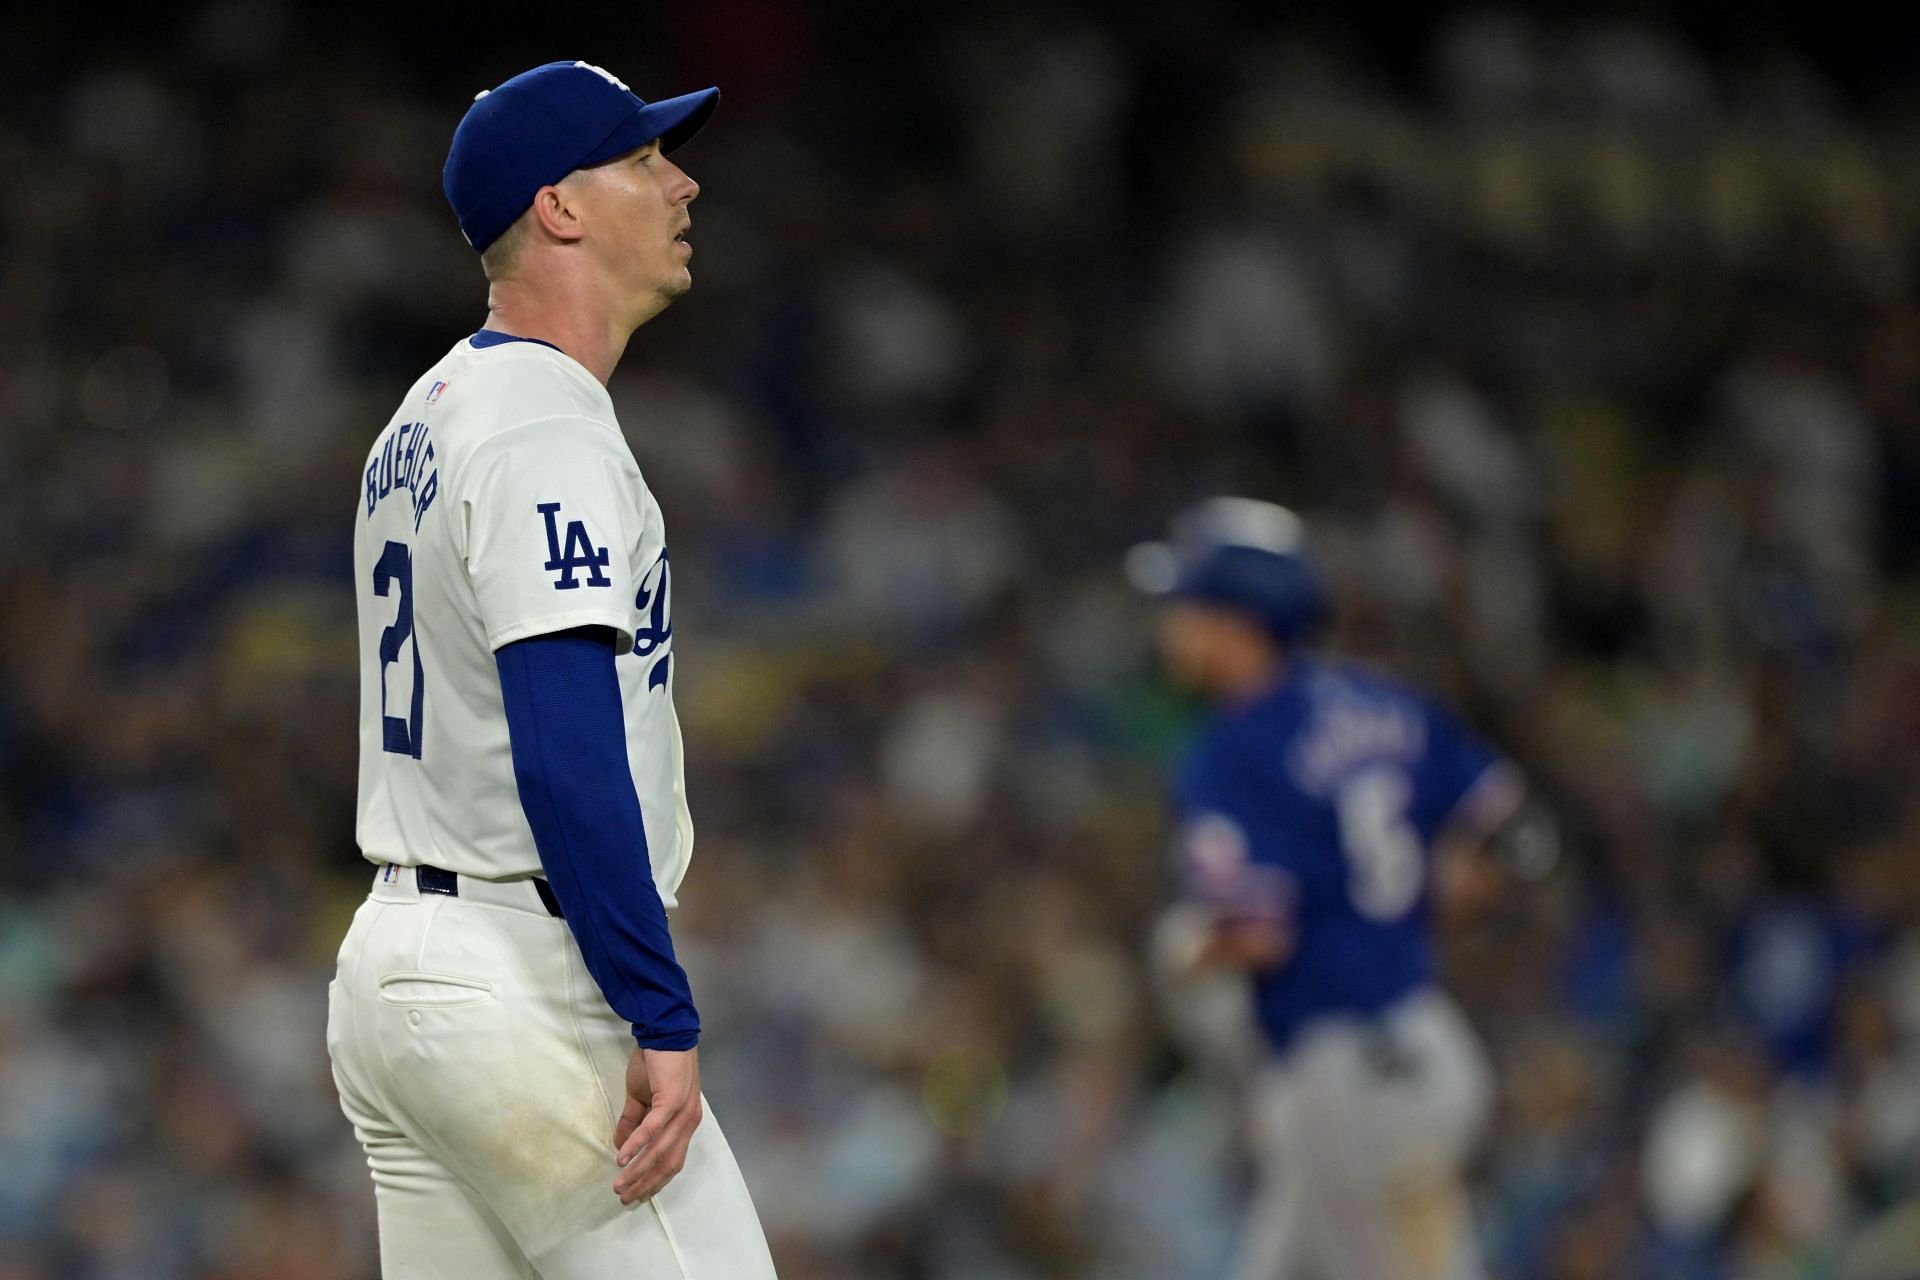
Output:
x,y
484,1072
1362,1133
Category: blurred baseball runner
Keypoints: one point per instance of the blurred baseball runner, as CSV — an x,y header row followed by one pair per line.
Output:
x,y
510,1031
1313,815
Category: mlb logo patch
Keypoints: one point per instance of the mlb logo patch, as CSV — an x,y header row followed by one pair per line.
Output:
x,y
434,394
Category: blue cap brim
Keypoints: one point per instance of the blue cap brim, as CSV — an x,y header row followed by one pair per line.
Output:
x,y
675,120
671,120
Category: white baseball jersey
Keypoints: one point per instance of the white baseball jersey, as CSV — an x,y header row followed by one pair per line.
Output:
x,y
501,503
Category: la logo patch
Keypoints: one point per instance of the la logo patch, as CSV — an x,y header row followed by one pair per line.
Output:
x,y
578,552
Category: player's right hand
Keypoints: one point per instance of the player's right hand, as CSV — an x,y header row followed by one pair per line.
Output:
x,y
656,1125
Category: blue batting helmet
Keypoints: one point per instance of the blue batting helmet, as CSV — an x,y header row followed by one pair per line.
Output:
x,y
1241,554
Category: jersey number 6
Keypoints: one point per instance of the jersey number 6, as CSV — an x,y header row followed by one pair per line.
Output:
x,y
402,737
1384,868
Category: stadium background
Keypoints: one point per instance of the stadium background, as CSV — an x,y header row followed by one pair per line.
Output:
x,y
1589,345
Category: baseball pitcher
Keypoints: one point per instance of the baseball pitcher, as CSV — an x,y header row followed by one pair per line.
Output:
x,y
511,1034
1312,815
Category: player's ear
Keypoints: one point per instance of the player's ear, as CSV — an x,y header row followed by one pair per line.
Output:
x,y
558,213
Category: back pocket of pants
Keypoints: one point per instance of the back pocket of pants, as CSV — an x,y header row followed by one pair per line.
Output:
x,y
433,990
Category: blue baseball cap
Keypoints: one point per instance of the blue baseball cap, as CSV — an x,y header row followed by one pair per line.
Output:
x,y
543,124
1240,554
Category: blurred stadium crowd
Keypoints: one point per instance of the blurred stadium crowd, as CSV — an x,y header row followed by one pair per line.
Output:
x,y
1593,357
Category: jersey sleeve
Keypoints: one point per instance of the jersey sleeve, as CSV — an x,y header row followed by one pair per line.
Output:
x,y
1214,860
1457,762
551,512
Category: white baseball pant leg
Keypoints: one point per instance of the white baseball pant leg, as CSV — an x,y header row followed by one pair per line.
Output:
x,y
484,1073
1362,1136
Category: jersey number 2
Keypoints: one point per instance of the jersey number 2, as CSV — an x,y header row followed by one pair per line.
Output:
x,y
395,567
1384,868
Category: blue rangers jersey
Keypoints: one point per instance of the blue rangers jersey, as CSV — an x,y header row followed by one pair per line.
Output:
x,y
1318,804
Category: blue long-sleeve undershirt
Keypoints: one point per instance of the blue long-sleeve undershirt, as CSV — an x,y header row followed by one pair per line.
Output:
x,y
570,763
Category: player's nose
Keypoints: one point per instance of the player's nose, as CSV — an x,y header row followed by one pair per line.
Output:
x,y
689,189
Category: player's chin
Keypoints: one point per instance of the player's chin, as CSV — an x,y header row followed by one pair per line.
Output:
x,y
676,283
